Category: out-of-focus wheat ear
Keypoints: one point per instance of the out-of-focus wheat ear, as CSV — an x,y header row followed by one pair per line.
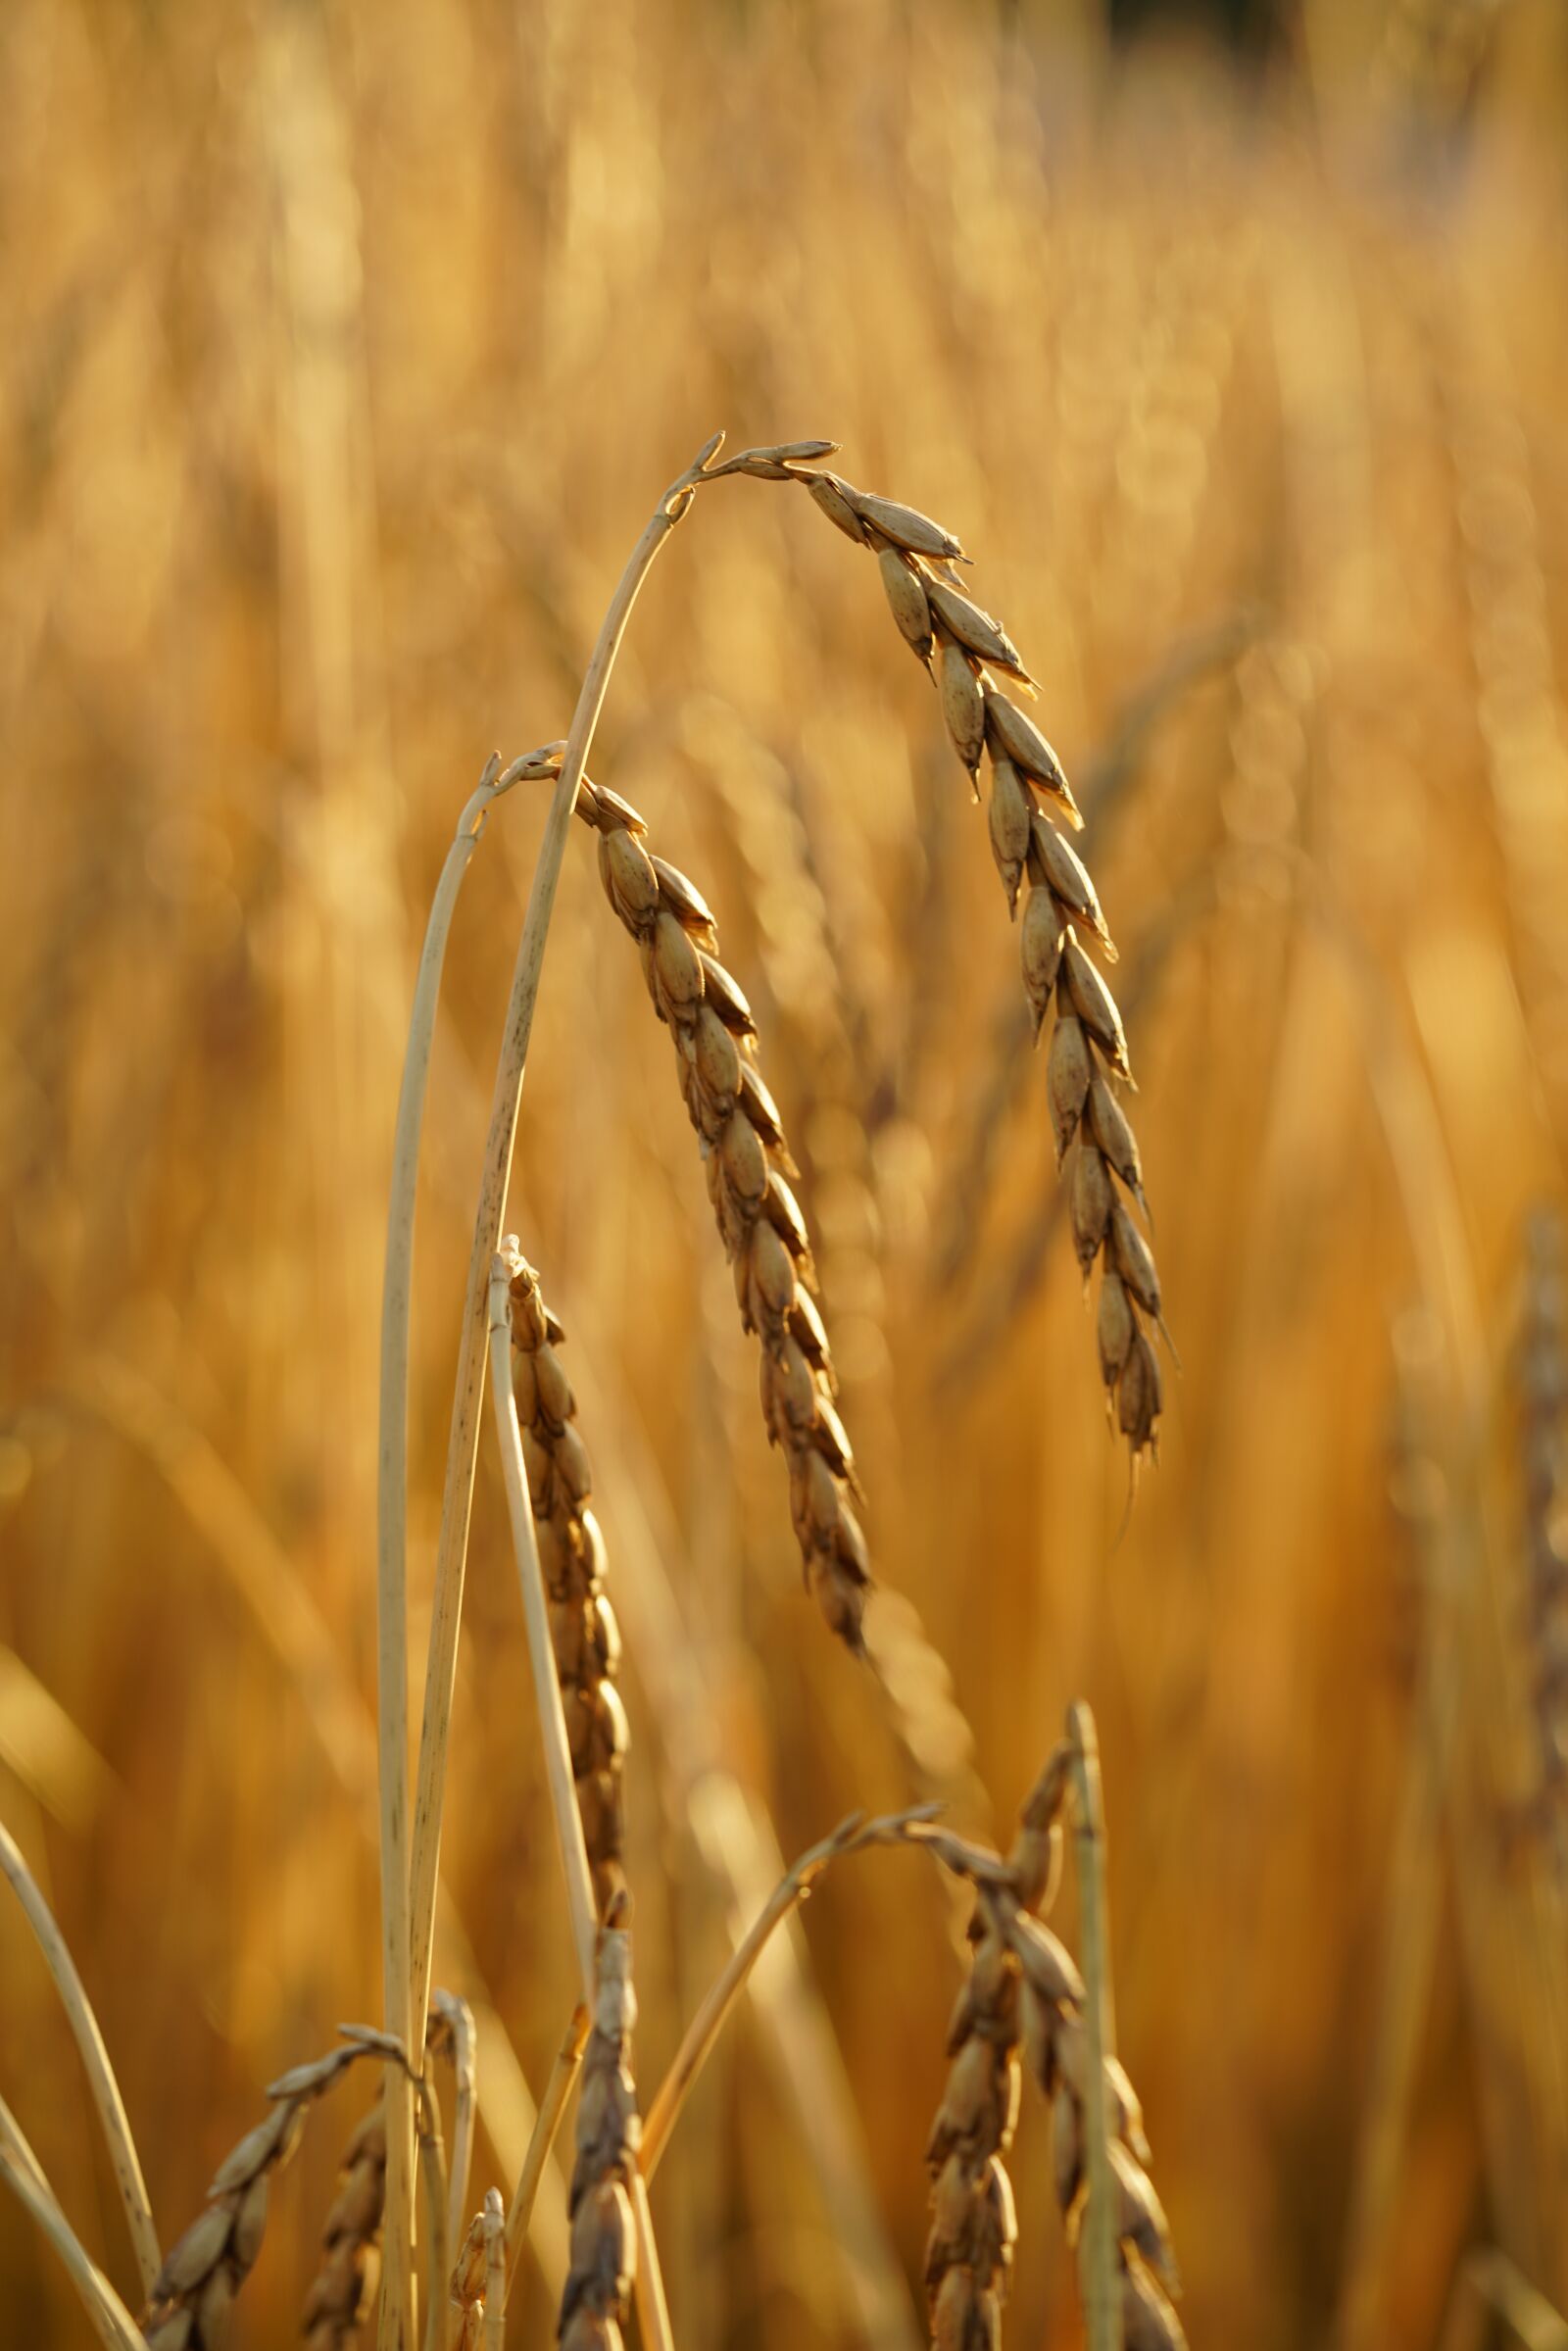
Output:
x,y
194,2293
475,1350
1098,2257
760,1220
344,2286
584,1635
123,2156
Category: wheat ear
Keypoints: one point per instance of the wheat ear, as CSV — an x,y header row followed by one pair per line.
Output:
x,y
586,1934
344,2286
194,2291
1025,1999
89,2039
392,1665
584,1638
963,645
760,1220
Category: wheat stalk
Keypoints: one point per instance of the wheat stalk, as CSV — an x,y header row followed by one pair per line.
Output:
x,y
392,1665
124,2159
552,2107
853,1835
24,2175
463,1437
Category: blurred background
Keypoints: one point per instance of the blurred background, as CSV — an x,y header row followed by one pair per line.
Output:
x,y
346,348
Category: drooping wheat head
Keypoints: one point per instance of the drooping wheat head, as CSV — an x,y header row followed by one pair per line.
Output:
x,y
963,646
749,1167
194,2293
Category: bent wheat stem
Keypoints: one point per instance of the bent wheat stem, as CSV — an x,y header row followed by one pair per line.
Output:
x,y
94,2056
19,2168
463,1445
392,1663
851,1835
552,2107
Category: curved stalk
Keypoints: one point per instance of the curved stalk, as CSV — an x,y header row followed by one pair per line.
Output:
x,y
24,2175
792,1888
94,2056
392,1655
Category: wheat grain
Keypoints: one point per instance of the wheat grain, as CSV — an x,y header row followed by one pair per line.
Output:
x,y
344,2285
195,2289
760,1220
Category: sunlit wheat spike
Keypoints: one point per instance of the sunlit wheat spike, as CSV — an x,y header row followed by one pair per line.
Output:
x,y
344,2285
583,1631
204,2269
759,1221
964,644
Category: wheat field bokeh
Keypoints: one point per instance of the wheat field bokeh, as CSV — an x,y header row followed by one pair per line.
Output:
x,y
345,349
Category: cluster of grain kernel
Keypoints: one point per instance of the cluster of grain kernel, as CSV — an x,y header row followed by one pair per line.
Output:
x,y
749,1167
1023,2005
193,2295
963,645
603,2235
344,2285
583,1631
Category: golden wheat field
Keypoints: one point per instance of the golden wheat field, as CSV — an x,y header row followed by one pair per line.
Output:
x,y
347,348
